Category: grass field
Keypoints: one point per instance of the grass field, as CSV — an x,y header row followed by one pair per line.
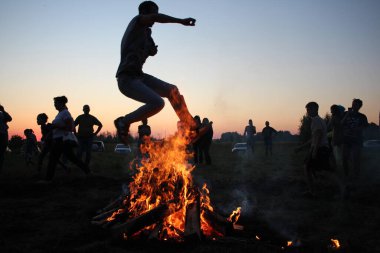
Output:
x,y
56,217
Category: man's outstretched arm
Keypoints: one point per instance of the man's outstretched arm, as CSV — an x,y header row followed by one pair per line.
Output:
x,y
162,18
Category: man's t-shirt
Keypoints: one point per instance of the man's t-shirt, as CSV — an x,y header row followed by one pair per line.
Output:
x,y
136,45
353,126
250,130
267,132
86,123
318,124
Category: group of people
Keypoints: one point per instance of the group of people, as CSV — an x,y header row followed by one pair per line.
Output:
x,y
59,138
267,132
346,129
201,146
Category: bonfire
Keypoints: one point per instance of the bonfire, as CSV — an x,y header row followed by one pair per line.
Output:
x,y
162,200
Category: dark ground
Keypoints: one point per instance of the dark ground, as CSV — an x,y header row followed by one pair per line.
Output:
x,y
56,217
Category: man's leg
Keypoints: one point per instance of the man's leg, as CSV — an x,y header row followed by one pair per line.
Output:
x,y
270,147
172,93
88,150
55,153
346,150
137,89
81,147
356,152
68,151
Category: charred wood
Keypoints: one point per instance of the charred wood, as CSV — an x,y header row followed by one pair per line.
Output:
x,y
193,220
134,225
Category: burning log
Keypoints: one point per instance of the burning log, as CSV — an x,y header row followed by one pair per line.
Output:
x,y
104,215
134,225
111,206
218,222
193,220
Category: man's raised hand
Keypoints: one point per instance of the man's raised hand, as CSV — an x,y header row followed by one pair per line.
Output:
x,y
188,21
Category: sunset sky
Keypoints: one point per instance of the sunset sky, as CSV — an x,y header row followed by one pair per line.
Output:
x,y
244,59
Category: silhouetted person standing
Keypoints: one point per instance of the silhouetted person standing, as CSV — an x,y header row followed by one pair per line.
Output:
x,y
144,132
136,46
336,128
249,134
197,144
267,133
205,143
86,134
353,123
4,119
63,127
318,155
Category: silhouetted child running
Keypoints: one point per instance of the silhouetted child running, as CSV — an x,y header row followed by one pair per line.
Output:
x,y
136,46
46,140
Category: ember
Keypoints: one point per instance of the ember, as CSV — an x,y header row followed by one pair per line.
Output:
x,y
163,201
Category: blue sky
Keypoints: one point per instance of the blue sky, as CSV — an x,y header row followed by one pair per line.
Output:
x,y
244,59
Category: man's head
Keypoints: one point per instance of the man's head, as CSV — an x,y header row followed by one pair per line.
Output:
x,y
356,104
250,122
144,121
148,7
267,123
197,119
86,109
312,109
334,109
42,118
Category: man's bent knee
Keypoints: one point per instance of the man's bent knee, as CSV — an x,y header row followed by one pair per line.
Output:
x,y
158,104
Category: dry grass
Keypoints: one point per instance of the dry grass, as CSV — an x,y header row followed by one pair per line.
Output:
x,y
55,218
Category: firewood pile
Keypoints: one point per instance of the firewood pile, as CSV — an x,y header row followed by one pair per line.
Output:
x,y
162,201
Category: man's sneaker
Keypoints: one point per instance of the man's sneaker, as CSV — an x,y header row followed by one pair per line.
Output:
x,y
122,129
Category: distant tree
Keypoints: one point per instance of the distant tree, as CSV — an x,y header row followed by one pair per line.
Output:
x,y
304,130
107,137
15,143
231,137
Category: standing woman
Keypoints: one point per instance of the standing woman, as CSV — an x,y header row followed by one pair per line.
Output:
x,y
63,127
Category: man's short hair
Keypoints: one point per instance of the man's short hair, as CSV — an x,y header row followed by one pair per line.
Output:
x,y
146,6
312,105
357,101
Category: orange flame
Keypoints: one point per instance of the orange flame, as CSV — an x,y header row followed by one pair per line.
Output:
x,y
289,243
234,217
164,177
335,243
